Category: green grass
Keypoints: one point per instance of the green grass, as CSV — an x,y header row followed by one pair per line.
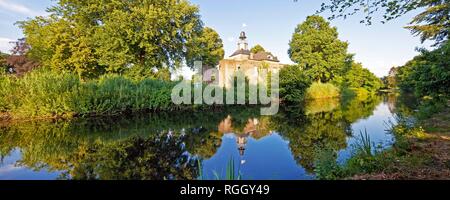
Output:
x,y
45,93
368,158
322,91
6,83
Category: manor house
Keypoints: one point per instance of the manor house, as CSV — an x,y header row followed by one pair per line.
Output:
x,y
246,62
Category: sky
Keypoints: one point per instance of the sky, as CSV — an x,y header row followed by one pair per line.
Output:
x,y
267,22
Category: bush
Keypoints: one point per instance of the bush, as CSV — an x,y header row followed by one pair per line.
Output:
x,y
427,74
6,84
322,91
46,93
293,84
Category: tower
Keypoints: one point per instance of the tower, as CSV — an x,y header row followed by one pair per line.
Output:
x,y
242,44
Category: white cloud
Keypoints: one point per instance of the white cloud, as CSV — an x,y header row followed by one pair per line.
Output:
x,y
244,25
5,45
230,39
18,8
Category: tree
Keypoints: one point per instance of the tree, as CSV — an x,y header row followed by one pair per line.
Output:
x,y
427,74
431,24
293,84
257,48
359,77
207,47
390,80
315,47
93,37
19,62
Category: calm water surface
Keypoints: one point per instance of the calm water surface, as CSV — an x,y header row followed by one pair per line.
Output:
x,y
194,145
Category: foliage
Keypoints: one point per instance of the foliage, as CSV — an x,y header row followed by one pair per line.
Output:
x,y
153,158
293,84
358,78
434,22
368,158
6,94
427,74
314,129
231,172
135,146
390,81
322,91
326,167
47,93
90,38
3,65
208,48
430,24
316,48
257,48
18,63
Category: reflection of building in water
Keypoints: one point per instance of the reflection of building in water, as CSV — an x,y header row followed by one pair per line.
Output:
x,y
253,128
241,141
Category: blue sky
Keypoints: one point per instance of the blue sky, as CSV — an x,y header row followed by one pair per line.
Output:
x,y
267,22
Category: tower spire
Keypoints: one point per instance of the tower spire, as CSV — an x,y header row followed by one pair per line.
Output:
x,y
242,44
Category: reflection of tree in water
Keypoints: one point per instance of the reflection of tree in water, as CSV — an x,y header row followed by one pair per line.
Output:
x,y
318,131
118,148
324,127
356,109
402,104
93,154
153,158
138,148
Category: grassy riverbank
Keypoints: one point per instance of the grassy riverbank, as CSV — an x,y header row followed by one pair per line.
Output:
x,y
421,151
45,93
49,94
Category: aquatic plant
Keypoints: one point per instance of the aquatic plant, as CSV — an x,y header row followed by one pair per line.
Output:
x,y
231,172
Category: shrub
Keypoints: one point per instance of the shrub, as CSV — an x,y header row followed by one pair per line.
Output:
x,y
293,84
427,74
6,84
322,91
46,93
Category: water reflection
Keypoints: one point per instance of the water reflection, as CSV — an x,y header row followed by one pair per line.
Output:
x,y
170,146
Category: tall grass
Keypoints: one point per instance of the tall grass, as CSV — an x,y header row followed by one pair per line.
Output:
x,y
231,172
6,97
322,91
368,158
45,93
363,160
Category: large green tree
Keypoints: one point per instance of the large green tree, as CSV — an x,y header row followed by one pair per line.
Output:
x,y
293,84
257,48
206,47
359,77
315,47
428,74
92,37
431,24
